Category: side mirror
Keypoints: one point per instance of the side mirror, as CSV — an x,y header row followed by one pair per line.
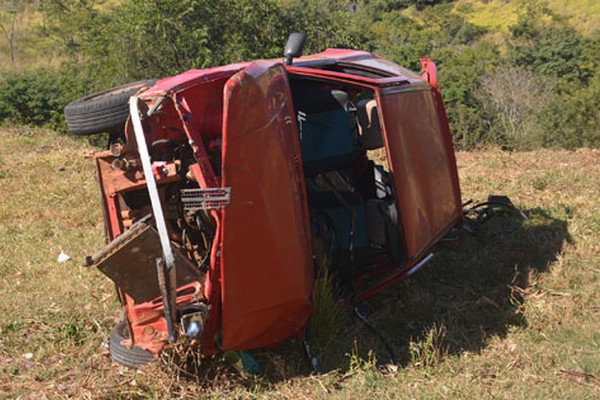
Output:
x,y
294,46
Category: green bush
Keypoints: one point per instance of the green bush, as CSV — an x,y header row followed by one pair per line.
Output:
x,y
38,97
459,69
573,120
554,51
401,39
141,39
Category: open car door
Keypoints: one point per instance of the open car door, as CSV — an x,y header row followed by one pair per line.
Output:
x,y
267,269
421,158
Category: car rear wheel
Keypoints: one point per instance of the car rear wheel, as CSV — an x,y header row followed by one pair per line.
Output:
x,y
133,357
104,111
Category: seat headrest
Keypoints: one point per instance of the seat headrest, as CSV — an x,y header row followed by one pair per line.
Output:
x,y
369,126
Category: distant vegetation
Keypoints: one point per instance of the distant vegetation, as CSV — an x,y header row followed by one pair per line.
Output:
x,y
520,73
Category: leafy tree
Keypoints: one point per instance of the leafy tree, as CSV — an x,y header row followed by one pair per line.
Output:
x,y
405,40
459,69
449,28
573,119
325,27
546,44
401,39
65,21
158,38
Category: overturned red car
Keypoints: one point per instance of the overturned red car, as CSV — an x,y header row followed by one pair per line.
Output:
x,y
228,187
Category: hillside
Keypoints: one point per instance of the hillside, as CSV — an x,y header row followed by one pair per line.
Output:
x,y
37,44
497,15
510,313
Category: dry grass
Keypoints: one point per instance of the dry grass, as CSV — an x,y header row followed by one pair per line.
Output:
x,y
511,313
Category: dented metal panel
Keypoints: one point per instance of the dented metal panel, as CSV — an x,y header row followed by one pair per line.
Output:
x,y
267,271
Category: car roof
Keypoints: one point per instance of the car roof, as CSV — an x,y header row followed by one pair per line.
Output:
x,y
354,63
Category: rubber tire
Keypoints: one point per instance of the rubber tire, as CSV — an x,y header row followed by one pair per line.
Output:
x,y
134,357
104,111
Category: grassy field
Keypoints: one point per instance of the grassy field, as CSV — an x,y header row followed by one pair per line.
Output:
x,y
512,312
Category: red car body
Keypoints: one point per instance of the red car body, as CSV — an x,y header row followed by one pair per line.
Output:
x,y
237,127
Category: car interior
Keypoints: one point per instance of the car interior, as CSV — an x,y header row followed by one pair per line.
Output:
x,y
353,214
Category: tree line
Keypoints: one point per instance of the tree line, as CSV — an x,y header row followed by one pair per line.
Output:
x,y
535,85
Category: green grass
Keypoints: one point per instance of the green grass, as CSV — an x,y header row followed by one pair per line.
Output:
x,y
510,313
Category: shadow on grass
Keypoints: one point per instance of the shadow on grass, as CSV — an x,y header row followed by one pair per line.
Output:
x,y
472,291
